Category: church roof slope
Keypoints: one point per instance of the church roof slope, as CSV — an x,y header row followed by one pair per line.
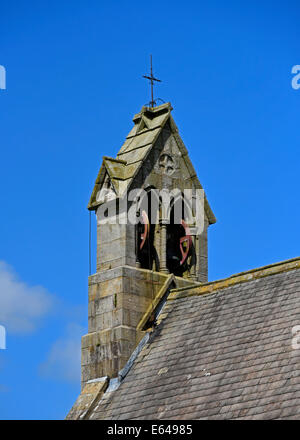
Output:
x,y
222,350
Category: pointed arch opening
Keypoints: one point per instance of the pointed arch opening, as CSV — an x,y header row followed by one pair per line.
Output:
x,y
179,241
146,253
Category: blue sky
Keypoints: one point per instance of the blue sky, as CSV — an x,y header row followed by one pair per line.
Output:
x,y
74,81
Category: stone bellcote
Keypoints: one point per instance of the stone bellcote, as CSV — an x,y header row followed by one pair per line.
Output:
x,y
136,259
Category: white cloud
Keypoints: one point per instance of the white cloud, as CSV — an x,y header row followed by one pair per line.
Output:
x,y
63,360
21,306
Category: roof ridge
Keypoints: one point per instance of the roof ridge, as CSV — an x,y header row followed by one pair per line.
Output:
x,y
241,277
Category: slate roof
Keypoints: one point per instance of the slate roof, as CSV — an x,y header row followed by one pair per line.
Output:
x,y
219,351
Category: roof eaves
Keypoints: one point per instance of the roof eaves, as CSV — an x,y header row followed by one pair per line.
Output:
x,y
92,205
105,167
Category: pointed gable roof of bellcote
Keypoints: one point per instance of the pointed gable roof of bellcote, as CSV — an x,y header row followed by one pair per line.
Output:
x,y
118,174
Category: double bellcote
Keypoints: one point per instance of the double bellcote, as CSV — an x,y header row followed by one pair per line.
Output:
x,y
151,209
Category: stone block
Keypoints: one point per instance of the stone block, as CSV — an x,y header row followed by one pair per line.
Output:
x,y
91,324
118,298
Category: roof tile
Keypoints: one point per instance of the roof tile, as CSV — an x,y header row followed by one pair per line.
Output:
x,y
225,355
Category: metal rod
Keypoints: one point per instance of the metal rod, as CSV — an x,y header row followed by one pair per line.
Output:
x,y
90,244
152,79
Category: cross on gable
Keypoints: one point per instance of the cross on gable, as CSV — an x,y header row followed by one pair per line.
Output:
x,y
152,79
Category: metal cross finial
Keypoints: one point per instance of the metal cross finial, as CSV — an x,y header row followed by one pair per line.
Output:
x,y
152,79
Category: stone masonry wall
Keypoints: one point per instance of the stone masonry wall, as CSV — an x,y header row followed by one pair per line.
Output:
x,y
118,298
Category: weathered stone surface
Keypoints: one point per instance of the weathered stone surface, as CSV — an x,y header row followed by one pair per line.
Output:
x,y
221,351
122,292
118,298
153,155
88,398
